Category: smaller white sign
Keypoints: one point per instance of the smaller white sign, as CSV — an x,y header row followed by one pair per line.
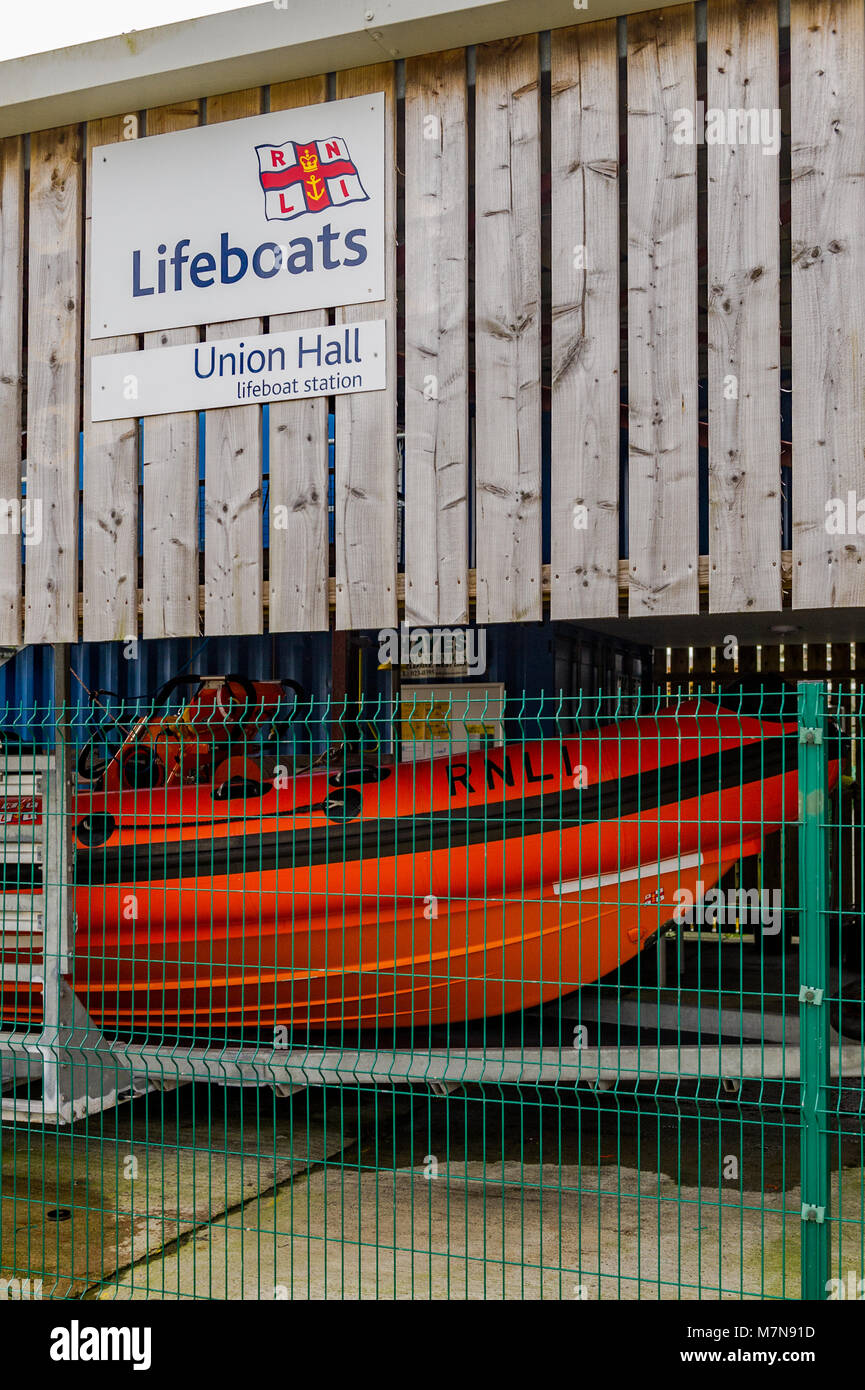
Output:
x,y
271,367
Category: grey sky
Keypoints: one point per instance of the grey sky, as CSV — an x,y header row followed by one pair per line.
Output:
x,y
59,24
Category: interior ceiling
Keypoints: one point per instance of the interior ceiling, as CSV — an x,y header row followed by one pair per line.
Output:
x,y
822,625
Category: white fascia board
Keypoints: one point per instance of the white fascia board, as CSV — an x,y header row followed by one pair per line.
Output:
x,y
256,46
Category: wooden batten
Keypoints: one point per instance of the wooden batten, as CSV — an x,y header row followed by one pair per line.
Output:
x,y
54,383
743,317
170,472
111,463
366,453
662,315
298,537
233,566
508,331
436,340
827,190
11,381
584,495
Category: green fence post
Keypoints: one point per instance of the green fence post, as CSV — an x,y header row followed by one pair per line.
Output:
x,y
813,990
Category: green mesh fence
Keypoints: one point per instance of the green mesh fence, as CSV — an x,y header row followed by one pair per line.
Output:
x,y
505,998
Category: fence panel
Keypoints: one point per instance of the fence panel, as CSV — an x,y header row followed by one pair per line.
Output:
x,y
835,1027
502,1024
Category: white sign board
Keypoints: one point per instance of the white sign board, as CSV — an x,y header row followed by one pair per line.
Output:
x,y
442,720
238,220
239,371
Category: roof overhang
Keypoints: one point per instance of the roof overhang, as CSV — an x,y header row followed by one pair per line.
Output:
x,y
256,46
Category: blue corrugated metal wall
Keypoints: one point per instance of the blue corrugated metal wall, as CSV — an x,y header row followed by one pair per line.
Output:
x,y
522,656
135,670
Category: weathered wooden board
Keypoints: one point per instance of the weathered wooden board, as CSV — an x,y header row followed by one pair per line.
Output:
x,y
53,384
584,484
110,571
827,119
11,382
298,493
170,473
743,311
662,316
232,471
508,331
436,340
366,450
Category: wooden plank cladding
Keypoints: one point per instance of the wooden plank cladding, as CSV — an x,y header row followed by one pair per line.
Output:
x,y
584,498
366,454
743,314
827,183
298,463
110,466
54,383
436,341
232,471
170,470
610,384
662,315
11,380
508,331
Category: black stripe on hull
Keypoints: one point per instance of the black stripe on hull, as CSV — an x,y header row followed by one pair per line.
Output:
x,y
450,829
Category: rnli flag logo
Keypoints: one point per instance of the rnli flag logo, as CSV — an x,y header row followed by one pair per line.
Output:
x,y
307,178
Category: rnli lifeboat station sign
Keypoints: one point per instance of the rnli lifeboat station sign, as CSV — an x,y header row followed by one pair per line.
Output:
x,y
241,219
262,370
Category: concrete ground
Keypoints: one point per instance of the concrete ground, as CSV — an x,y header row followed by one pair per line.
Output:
x,y
508,1233
234,1195
79,1208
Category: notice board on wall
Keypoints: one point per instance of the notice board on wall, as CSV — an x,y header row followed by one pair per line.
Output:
x,y
448,718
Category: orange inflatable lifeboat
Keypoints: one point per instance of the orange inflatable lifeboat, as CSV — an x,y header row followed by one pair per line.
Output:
x,y
217,890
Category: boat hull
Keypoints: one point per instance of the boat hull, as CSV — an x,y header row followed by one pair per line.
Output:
x,y
433,893
467,961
